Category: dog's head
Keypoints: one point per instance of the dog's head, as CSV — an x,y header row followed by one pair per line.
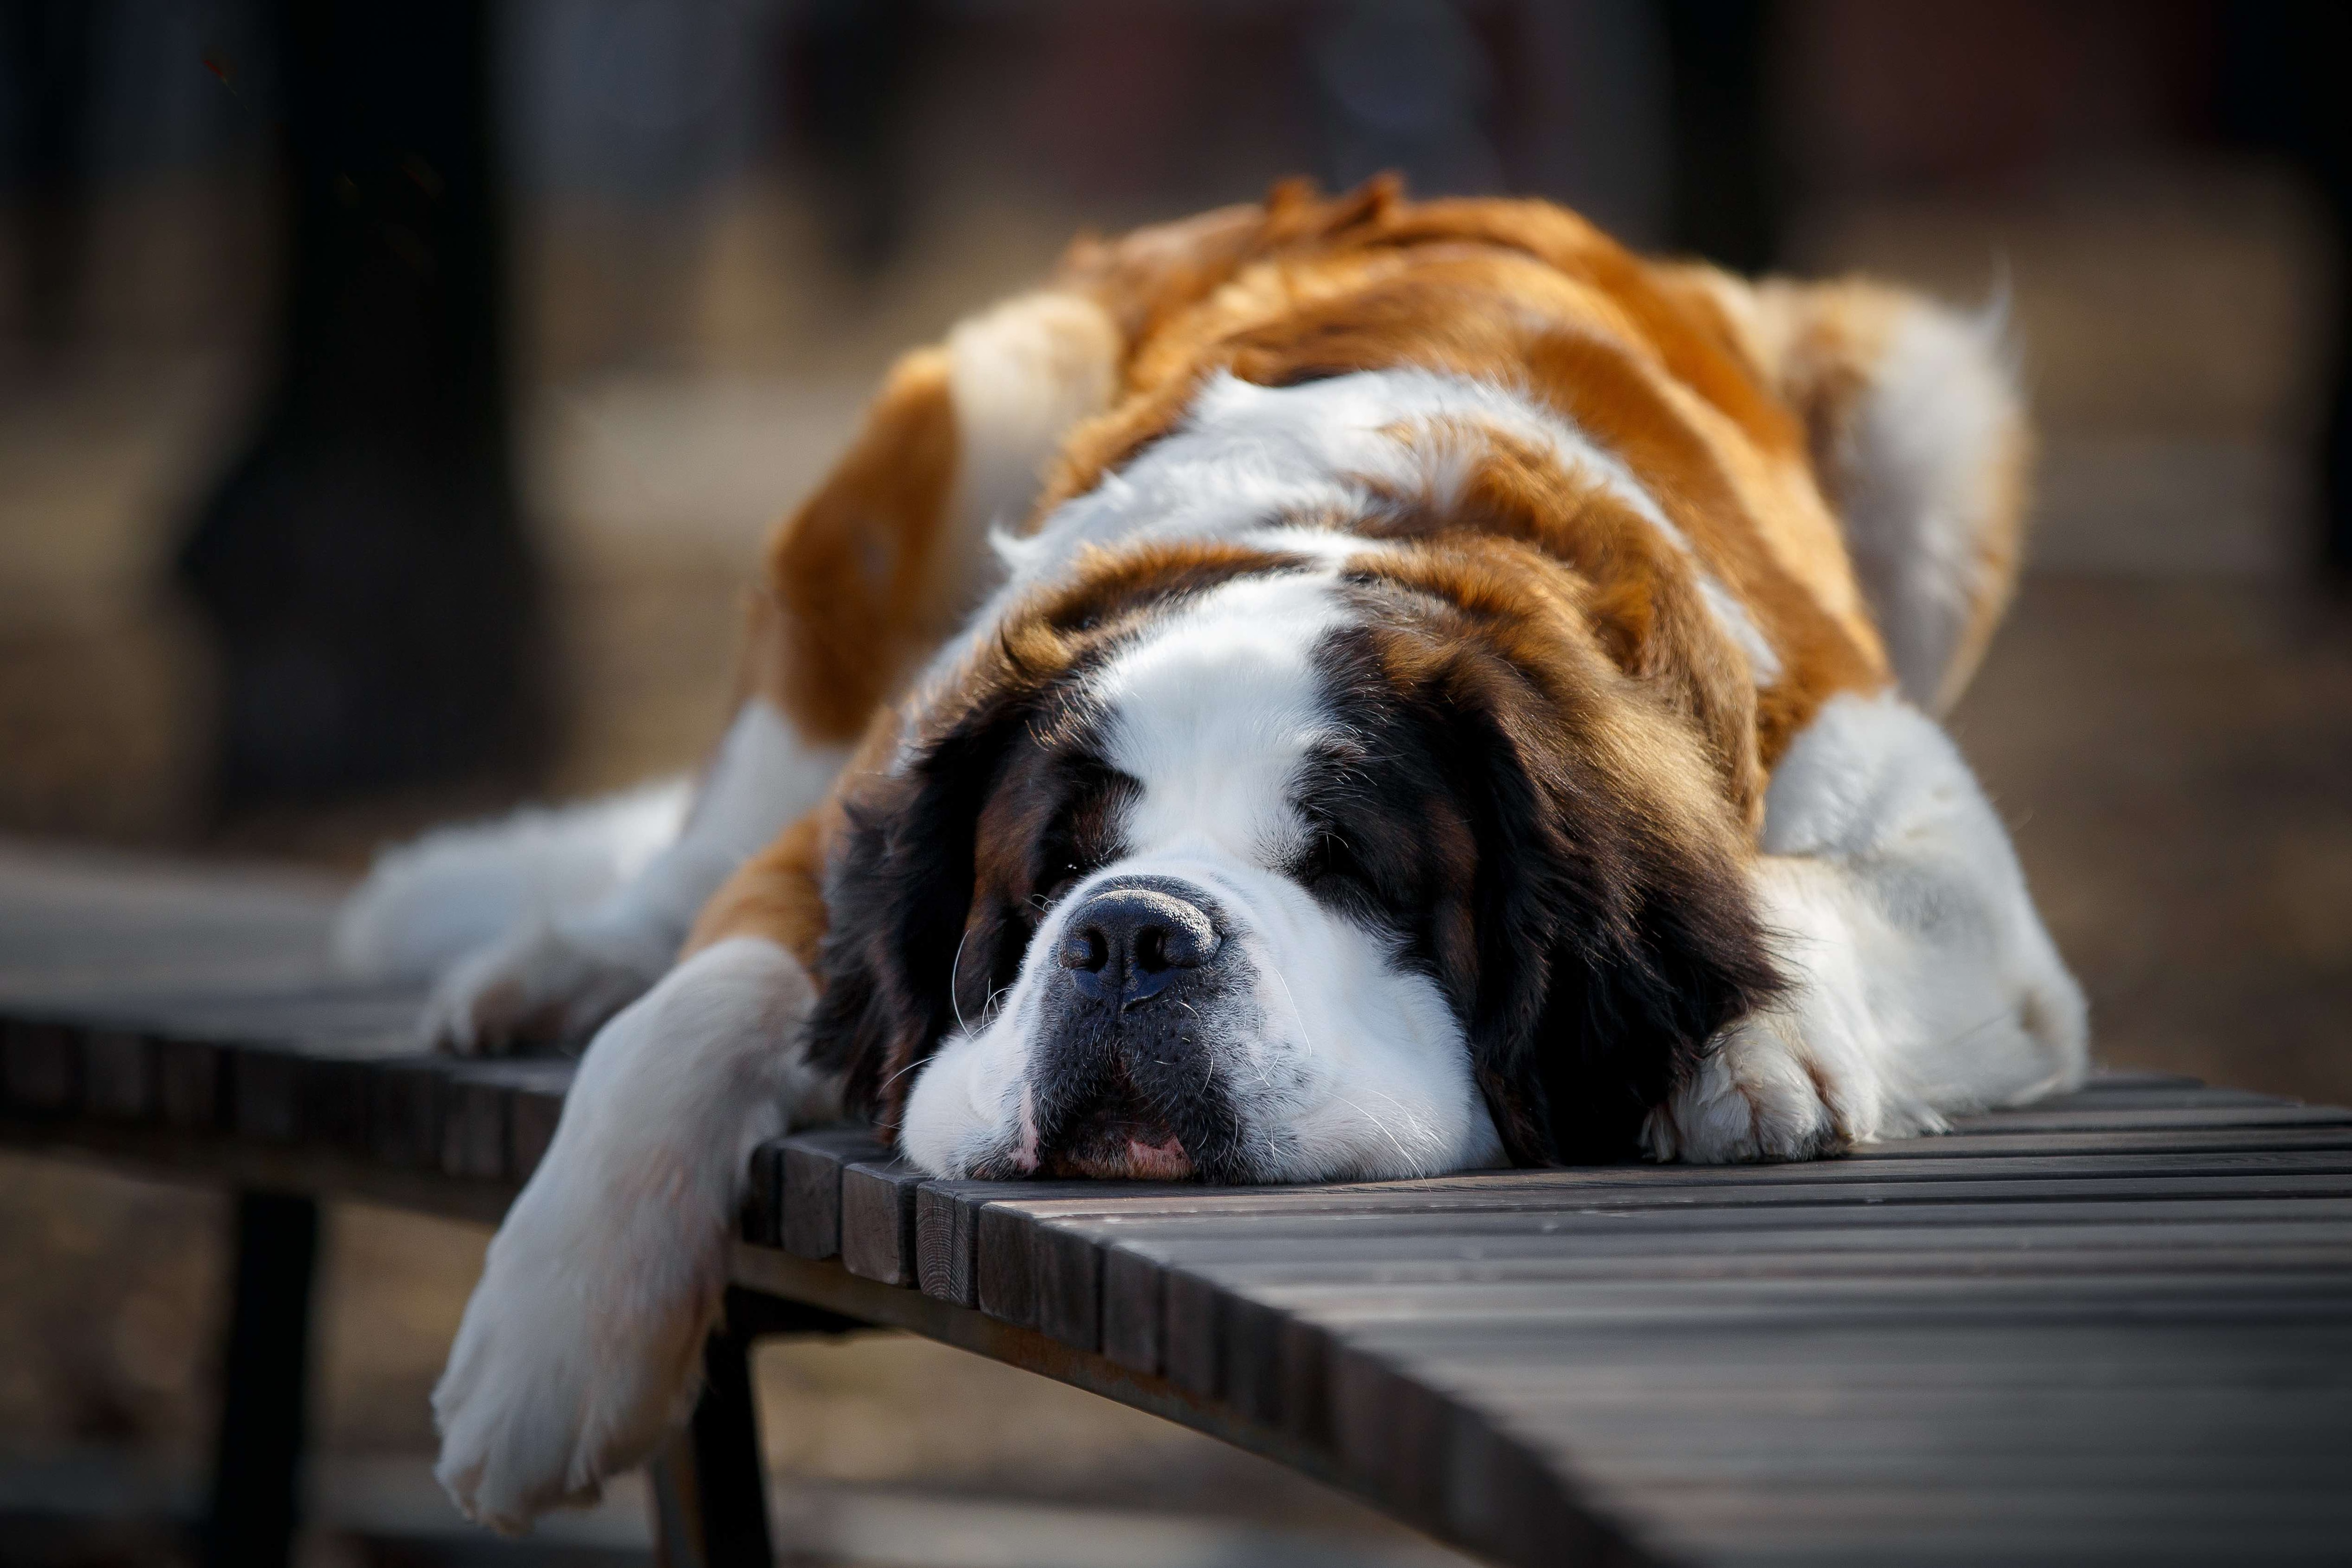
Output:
x,y
1370,858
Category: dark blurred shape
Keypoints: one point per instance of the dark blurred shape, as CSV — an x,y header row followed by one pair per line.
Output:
x,y
1584,91
265,1378
2286,64
1725,198
848,65
48,52
1405,85
363,564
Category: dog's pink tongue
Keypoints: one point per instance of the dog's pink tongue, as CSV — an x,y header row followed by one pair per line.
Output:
x,y
1158,1162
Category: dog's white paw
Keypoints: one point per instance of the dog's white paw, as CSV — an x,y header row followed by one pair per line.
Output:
x,y
1759,1095
541,984
579,1351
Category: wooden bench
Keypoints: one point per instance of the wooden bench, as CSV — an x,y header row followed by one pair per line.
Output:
x,y
2115,1326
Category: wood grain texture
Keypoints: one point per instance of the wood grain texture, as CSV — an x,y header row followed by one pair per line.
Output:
x,y
946,1230
809,1200
878,1220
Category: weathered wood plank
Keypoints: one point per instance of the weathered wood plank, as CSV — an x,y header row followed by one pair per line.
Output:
x,y
1163,1320
1378,1247
2129,1425
473,1127
39,1075
1570,1266
2107,1079
1864,1524
2023,1223
262,1104
1005,1284
762,1218
1192,1337
947,1227
533,1116
2106,1094
315,1092
75,924
511,1106
1397,1431
2100,1119
117,1076
1241,1357
189,1078
2277,1426
1579,1252
1134,1310
809,1200
878,1220
403,1112
2088,1356
1924,1180
946,1223
1250,1373
2130,1140
1041,1275
1038,1276
2284,1296
2288,1177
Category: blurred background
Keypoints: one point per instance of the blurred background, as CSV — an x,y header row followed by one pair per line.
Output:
x,y
393,398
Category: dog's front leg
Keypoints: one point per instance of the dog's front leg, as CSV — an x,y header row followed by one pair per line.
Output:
x,y
581,1347
561,978
1920,980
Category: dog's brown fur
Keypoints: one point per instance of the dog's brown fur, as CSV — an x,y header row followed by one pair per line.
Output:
x,y
1729,402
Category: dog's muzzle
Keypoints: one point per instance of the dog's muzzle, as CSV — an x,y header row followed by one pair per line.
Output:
x,y
1126,1080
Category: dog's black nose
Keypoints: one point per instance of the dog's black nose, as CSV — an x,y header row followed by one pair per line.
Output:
x,y
1125,944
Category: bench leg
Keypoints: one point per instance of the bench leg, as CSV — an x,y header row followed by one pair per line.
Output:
x,y
711,1486
257,1463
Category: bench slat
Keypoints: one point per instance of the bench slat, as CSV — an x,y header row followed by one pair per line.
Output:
x,y
878,1220
809,1196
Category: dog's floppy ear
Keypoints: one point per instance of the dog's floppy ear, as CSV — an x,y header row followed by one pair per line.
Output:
x,y
1614,938
899,891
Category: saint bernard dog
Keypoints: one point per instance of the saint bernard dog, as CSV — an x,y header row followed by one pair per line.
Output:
x,y
1335,690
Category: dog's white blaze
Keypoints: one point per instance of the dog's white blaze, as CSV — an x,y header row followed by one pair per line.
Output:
x,y
1214,714
1338,1060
